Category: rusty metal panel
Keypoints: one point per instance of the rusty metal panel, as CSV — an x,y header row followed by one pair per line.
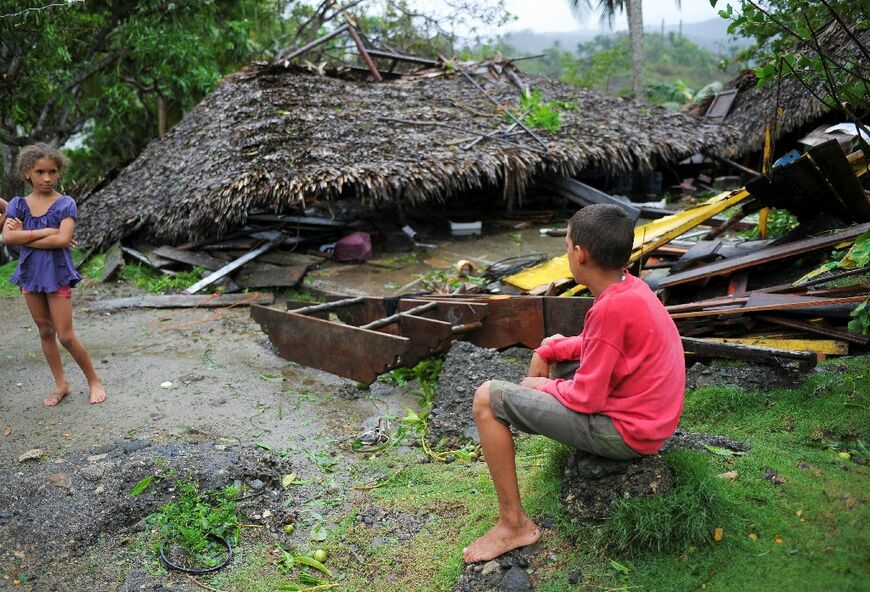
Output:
x,y
511,321
565,315
453,311
340,349
428,337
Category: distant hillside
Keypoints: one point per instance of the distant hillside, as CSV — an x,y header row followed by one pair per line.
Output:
x,y
712,35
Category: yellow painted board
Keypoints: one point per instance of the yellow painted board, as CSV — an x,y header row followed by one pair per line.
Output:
x,y
819,346
647,238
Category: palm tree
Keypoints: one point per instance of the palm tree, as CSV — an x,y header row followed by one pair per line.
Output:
x,y
634,12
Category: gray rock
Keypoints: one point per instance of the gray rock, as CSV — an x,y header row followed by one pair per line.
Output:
x,y
516,580
93,472
489,568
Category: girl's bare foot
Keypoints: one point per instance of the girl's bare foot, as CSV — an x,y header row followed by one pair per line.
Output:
x,y
57,396
500,539
98,393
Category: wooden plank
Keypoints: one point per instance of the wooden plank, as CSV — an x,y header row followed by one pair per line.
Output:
x,y
761,304
113,262
807,190
832,162
764,256
816,329
830,347
192,258
230,267
153,261
750,353
270,276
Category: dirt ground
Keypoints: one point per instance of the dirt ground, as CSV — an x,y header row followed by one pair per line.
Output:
x,y
229,393
228,389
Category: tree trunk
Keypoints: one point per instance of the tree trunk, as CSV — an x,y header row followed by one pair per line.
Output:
x,y
11,185
635,33
161,116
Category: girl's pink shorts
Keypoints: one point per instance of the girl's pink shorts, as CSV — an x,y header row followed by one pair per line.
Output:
x,y
62,292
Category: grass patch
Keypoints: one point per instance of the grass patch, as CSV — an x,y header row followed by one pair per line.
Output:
x,y
685,516
159,283
6,271
191,518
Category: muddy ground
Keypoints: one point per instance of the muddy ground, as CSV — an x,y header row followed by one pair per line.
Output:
x,y
231,397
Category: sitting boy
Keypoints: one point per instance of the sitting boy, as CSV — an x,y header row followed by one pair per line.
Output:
x,y
626,396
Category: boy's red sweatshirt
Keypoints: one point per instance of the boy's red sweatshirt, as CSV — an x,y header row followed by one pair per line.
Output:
x,y
632,369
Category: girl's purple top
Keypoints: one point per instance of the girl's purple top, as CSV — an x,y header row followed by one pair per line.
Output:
x,y
44,270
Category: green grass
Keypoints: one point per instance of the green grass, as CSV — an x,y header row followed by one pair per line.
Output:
x,y
159,283
818,514
807,533
686,516
191,518
7,288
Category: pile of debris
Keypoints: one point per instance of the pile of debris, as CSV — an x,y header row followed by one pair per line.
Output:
x,y
743,300
782,294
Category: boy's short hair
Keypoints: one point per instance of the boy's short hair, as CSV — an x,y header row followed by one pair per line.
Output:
x,y
606,232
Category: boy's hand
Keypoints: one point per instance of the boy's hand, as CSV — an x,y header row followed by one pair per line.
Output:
x,y
534,381
538,367
552,338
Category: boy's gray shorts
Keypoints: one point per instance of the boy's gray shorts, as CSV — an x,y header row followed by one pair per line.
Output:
x,y
536,412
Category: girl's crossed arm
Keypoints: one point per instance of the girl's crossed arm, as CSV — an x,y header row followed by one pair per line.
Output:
x,y
13,234
61,239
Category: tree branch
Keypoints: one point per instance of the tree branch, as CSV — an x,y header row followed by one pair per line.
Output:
x,y
848,31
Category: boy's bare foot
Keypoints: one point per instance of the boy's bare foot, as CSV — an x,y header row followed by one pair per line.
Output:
x,y
57,396
98,393
500,539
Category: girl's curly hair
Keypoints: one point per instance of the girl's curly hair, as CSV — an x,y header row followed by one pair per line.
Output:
x,y
30,154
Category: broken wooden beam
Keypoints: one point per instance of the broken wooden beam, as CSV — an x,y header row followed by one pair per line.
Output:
x,y
192,258
749,353
763,256
230,267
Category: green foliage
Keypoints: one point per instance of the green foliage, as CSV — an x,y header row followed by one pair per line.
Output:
x,y
685,516
604,63
426,372
158,283
542,114
779,223
189,520
6,287
102,68
860,322
781,26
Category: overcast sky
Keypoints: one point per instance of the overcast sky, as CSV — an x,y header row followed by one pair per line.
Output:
x,y
556,16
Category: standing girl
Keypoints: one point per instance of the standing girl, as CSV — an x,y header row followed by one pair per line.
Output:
x,y
42,224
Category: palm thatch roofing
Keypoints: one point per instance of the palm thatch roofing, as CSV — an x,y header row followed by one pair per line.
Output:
x,y
275,137
754,107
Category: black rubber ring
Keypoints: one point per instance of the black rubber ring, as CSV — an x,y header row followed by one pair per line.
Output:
x,y
214,537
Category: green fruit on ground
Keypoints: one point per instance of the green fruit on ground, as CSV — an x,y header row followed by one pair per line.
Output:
x,y
289,528
320,555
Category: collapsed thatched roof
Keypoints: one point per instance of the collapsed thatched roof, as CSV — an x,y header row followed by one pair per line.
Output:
x,y
755,106
273,137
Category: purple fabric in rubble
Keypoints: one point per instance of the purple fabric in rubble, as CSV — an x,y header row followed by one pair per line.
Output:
x,y
354,248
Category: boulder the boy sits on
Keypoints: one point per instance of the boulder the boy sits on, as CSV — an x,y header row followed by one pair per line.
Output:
x,y
623,400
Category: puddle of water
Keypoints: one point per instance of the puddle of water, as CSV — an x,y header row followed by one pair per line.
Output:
x,y
494,245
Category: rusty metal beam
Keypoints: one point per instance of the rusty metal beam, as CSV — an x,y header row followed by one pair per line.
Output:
x,y
340,349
